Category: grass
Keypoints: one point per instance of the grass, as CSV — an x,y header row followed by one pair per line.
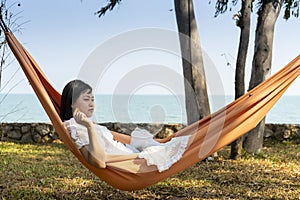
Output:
x,y
52,172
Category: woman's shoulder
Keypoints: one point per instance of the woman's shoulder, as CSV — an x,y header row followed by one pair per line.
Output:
x,y
71,123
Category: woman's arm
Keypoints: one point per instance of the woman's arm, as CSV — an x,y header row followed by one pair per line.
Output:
x,y
90,158
93,152
164,140
125,139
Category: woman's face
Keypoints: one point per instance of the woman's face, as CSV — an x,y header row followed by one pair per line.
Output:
x,y
85,103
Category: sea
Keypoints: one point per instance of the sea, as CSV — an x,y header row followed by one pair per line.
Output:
x,y
137,108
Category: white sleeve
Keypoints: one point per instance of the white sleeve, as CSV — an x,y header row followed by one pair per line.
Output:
x,y
78,133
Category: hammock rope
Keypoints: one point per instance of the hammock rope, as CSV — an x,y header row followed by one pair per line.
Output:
x,y
209,134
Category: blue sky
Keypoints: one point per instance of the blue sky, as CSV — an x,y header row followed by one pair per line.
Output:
x,y
61,35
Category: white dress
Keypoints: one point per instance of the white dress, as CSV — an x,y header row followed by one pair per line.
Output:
x,y
163,155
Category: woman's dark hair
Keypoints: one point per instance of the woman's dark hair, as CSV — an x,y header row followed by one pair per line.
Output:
x,y
70,94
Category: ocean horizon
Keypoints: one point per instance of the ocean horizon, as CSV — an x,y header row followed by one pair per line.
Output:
x,y
25,108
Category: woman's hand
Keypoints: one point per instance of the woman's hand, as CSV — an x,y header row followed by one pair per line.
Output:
x,y
81,118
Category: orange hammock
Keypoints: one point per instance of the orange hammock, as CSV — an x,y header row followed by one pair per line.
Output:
x,y
213,132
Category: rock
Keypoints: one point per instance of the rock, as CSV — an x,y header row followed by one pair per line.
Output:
x,y
33,125
168,132
178,127
154,129
7,128
25,129
42,130
54,135
286,134
268,132
157,131
47,139
37,138
6,139
14,134
125,128
27,138
109,125
278,134
272,127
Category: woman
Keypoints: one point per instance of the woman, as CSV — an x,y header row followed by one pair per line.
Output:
x,y
95,141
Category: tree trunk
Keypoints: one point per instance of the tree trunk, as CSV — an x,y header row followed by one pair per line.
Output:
x,y
244,24
196,97
261,66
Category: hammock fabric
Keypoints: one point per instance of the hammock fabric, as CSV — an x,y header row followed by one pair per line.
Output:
x,y
209,134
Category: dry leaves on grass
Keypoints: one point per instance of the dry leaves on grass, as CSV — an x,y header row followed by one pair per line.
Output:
x,y
52,172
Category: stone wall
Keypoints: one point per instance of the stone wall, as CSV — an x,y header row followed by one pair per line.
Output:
x,y
44,133
28,132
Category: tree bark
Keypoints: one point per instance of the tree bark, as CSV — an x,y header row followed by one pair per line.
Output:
x,y
261,66
244,24
196,97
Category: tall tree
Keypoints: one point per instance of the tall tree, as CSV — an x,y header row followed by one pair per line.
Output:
x,y
196,97
268,11
243,22
197,104
243,19
261,66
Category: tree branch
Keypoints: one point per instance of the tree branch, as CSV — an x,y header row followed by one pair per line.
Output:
x,y
110,6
